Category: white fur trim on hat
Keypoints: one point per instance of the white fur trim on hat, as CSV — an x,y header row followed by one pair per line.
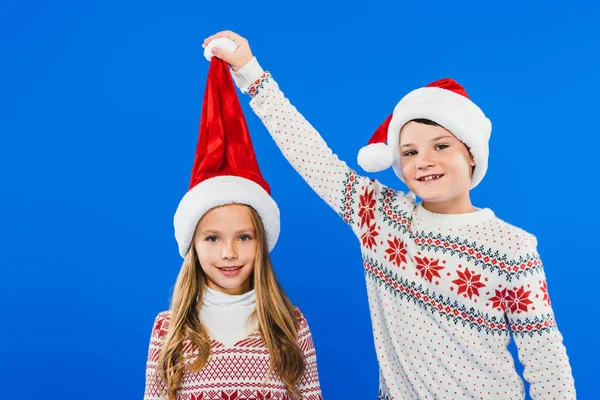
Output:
x,y
221,43
456,113
218,191
375,157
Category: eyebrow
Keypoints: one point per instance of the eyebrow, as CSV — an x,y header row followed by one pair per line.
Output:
x,y
433,140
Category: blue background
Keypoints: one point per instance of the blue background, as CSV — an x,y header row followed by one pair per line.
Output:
x,y
100,105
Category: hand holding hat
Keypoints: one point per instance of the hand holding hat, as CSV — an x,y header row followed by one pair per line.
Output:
x,y
229,47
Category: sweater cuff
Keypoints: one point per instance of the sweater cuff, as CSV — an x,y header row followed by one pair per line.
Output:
x,y
247,75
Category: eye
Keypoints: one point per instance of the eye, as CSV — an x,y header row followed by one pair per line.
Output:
x,y
212,239
441,146
245,238
409,153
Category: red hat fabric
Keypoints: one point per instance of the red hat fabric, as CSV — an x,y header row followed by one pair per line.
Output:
x,y
225,168
224,143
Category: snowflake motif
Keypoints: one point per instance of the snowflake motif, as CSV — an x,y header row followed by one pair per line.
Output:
x,y
229,396
368,238
264,396
397,251
544,289
499,300
468,283
160,332
367,208
517,300
428,268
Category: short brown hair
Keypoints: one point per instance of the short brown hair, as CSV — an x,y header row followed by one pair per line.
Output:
x,y
425,121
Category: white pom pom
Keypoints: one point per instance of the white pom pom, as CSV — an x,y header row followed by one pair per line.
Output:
x,y
221,43
375,157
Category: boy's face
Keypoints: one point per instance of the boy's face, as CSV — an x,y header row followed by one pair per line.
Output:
x,y
436,166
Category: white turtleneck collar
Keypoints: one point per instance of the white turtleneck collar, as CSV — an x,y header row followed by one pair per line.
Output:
x,y
452,220
226,317
214,298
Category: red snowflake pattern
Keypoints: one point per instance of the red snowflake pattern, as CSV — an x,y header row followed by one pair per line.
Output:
x,y
233,395
367,208
544,289
499,300
264,396
517,300
397,251
468,283
428,268
161,328
368,238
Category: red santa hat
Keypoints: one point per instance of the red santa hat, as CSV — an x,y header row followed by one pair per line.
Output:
x,y
444,102
225,168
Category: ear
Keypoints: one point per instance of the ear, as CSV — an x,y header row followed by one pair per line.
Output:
x,y
472,162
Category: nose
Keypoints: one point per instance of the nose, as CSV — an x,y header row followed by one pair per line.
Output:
x,y
425,160
229,251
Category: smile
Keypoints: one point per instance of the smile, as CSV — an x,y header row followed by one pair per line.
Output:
x,y
428,178
229,268
230,271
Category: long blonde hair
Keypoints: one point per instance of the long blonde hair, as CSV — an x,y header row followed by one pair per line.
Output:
x,y
274,313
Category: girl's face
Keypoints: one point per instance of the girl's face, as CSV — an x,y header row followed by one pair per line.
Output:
x,y
226,245
436,166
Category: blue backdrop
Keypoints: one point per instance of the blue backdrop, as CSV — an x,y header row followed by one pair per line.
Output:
x,y
100,105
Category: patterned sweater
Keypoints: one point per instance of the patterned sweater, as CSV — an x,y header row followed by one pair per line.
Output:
x,y
236,372
445,291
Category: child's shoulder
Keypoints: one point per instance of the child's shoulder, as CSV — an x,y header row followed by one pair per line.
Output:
x,y
302,327
512,233
161,324
298,313
300,318
163,315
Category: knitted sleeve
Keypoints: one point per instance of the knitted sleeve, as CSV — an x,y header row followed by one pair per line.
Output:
x,y
531,319
304,148
156,388
309,383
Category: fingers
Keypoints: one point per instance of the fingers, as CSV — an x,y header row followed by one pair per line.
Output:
x,y
229,34
222,54
237,39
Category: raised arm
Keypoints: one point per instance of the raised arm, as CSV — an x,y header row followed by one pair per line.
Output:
x,y
301,144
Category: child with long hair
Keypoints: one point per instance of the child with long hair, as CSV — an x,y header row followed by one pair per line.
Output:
x,y
231,332
448,282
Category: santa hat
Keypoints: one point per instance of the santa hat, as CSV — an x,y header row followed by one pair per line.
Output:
x,y
446,103
225,168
